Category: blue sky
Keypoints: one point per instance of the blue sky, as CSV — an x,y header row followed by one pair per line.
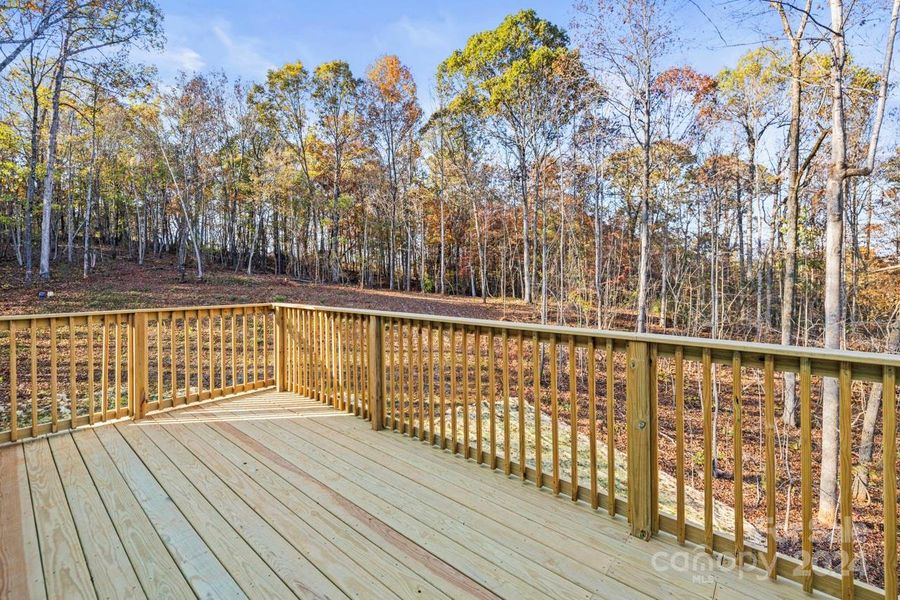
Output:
x,y
246,38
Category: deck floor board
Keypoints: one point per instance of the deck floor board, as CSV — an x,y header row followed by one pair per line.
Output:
x,y
274,495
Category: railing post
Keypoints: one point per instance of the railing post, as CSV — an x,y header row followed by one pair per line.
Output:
x,y
138,369
640,418
279,349
376,373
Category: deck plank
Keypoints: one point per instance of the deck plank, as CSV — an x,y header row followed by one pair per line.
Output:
x,y
154,567
110,568
585,540
66,572
314,498
534,547
276,495
570,520
247,569
204,573
246,506
280,460
20,558
567,519
472,486
340,473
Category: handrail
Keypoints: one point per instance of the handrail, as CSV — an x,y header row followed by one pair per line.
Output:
x,y
534,401
665,341
93,367
465,385
4,319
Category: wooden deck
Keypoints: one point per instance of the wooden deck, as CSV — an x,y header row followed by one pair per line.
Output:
x,y
276,496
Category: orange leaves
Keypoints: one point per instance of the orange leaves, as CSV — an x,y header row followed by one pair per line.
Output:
x,y
392,79
702,88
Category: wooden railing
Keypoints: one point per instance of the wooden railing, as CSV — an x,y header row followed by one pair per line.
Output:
x,y
62,371
623,422
472,387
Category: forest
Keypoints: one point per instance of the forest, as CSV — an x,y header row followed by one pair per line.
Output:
x,y
575,167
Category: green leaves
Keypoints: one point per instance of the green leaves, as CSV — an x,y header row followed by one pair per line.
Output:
x,y
508,66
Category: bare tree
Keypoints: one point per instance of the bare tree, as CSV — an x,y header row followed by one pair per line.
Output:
x,y
628,39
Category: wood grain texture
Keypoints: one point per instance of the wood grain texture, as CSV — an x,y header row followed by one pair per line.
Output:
x,y
20,558
66,573
110,569
154,567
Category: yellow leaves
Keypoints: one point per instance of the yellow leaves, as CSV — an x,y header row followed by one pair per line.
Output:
x,y
291,78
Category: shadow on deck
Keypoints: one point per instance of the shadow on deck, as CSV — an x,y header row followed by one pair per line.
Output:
x,y
273,495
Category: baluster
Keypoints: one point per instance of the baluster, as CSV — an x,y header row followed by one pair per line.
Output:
x,y
410,334
442,391
520,382
465,384
431,397
233,336
554,413
173,368
889,452
453,389
13,384
118,368
73,374
610,428
592,418
492,399
187,358
707,451
769,390
806,472
54,392
479,391
737,398
199,345
679,445
536,383
92,411
104,376
210,324
507,464
421,359
846,479
573,418
34,378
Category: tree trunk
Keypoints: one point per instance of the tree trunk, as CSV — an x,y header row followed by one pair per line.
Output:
x,y
644,261
47,213
834,236
789,416
870,421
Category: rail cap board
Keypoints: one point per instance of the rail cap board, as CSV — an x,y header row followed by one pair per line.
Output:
x,y
797,352
663,340
4,319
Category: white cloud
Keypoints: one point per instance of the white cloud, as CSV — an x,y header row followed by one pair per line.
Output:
x,y
173,58
240,54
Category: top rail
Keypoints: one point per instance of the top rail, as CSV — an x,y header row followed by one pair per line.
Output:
x,y
664,341
64,370
435,379
533,399
5,319
824,362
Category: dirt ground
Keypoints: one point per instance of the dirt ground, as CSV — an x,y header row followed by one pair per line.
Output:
x,y
122,284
